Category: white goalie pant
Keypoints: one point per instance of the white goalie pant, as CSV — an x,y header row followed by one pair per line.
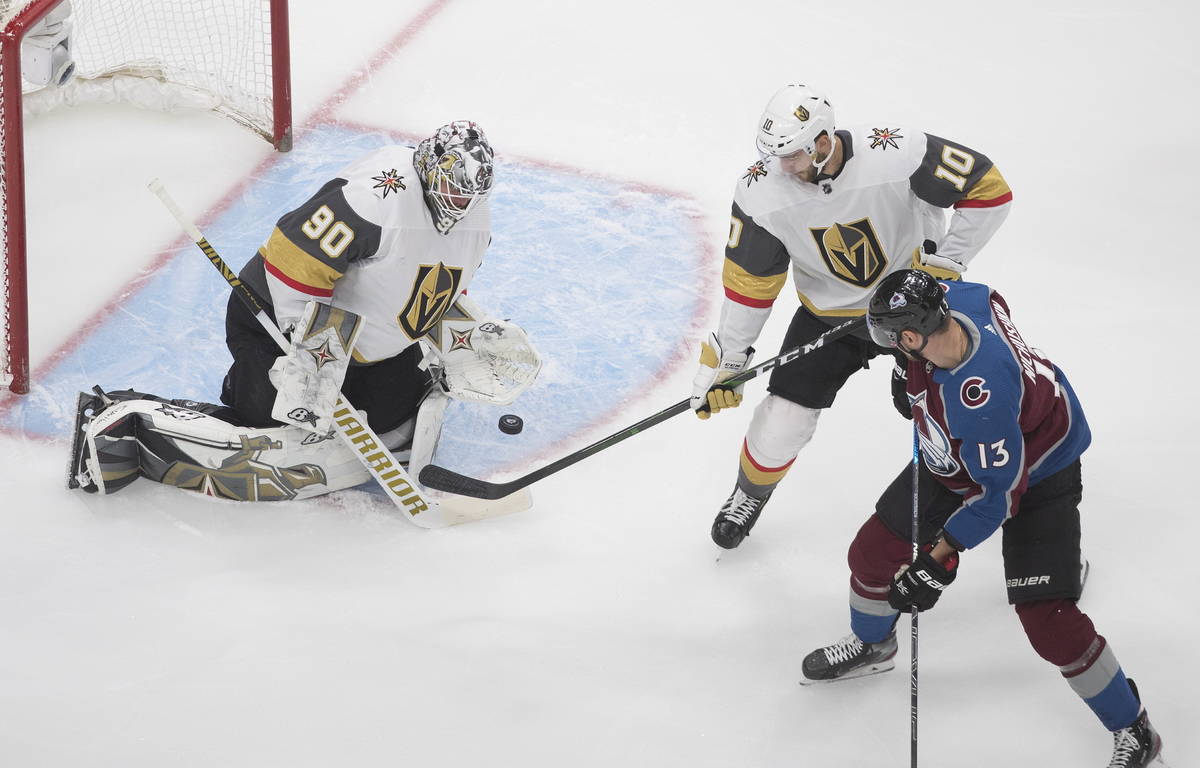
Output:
x,y
779,430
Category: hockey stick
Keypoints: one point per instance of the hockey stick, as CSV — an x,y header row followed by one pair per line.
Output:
x,y
359,438
444,479
912,706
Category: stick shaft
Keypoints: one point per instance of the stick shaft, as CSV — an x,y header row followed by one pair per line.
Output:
x,y
916,524
443,479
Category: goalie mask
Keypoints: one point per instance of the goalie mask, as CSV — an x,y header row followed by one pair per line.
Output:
x,y
455,168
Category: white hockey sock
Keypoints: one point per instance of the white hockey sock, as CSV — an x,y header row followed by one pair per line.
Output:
x,y
778,431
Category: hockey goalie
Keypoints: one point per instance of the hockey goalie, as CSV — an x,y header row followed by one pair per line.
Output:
x,y
368,281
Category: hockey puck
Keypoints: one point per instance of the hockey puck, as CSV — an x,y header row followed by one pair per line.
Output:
x,y
511,424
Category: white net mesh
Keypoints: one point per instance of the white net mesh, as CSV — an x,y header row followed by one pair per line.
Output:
x,y
157,54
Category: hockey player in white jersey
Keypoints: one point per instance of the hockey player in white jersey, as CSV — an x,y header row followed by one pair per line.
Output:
x,y
843,208
369,278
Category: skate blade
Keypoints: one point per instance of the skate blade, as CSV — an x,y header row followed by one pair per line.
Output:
x,y
77,437
867,671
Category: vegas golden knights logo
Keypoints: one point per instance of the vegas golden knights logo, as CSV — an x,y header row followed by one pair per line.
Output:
x,y
243,477
851,251
433,293
801,114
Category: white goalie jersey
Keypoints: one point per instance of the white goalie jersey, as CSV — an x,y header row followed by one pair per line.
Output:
x,y
367,243
843,233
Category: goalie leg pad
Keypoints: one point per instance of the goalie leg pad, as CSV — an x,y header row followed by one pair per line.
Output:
x,y
182,446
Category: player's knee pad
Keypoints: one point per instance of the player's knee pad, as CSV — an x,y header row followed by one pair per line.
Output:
x,y
1057,629
876,553
779,429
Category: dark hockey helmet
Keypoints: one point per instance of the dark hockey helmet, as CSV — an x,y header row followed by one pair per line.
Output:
x,y
908,299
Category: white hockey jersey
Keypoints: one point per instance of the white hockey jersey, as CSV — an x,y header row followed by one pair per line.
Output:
x,y
843,233
366,243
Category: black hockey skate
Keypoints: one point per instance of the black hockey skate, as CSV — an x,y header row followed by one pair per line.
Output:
x,y
1137,745
738,515
849,658
87,407
115,463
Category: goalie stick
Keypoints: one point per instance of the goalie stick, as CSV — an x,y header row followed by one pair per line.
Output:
x,y
358,437
443,479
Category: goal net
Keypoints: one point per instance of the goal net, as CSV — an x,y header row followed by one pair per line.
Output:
x,y
228,56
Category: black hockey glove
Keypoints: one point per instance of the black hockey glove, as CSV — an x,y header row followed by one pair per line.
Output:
x,y
922,583
899,388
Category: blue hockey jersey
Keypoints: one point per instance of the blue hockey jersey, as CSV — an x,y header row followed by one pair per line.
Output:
x,y
1001,421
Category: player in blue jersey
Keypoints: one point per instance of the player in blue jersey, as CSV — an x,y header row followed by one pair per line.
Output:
x,y
1001,433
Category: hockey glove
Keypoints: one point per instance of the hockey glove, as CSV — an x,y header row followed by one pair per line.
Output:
x,y
489,361
709,396
900,389
941,267
308,378
922,583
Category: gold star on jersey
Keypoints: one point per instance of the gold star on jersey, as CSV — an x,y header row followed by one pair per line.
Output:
x,y
885,137
389,181
755,172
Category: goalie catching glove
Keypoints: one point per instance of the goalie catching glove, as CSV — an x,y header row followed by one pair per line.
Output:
x,y
309,377
709,395
484,361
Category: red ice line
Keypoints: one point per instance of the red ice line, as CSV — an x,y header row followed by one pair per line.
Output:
x,y
323,115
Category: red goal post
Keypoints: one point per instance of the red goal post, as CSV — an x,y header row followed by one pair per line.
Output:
x,y
229,56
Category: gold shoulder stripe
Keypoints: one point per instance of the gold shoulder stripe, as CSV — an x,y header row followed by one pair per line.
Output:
x,y
752,286
990,187
290,260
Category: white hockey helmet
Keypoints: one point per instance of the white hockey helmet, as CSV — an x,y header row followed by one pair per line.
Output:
x,y
455,169
793,119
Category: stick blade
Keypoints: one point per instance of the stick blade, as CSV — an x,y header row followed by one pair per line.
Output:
x,y
442,479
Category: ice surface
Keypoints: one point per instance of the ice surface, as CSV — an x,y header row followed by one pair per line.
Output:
x,y
600,627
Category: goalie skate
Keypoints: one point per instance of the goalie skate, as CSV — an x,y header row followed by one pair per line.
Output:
x,y
77,474
79,471
849,658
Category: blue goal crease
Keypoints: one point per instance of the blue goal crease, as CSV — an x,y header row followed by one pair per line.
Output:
x,y
603,276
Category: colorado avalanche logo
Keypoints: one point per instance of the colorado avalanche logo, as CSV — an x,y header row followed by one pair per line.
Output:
x,y
972,392
897,301
935,444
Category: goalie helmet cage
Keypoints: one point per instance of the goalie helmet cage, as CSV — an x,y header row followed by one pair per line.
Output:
x,y
230,56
